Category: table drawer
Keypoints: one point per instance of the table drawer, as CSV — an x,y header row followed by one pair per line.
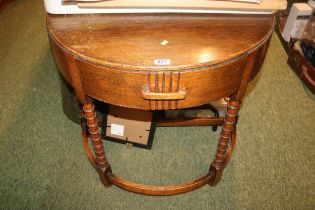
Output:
x,y
160,89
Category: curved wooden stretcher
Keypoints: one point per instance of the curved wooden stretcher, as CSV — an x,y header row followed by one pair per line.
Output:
x,y
112,58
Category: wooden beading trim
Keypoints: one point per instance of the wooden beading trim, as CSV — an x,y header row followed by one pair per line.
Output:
x,y
223,154
99,160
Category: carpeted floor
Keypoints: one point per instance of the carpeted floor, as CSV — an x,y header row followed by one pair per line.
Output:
x,y
43,165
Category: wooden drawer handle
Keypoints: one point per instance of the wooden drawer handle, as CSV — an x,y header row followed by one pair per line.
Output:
x,y
146,94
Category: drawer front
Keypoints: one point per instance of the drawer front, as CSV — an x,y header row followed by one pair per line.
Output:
x,y
160,89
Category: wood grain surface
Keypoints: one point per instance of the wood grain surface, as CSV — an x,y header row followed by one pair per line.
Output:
x,y
133,41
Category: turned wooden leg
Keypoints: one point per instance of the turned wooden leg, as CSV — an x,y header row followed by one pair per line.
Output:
x,y
101,163
221,156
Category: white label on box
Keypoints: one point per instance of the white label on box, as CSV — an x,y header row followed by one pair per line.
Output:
x,y
117,129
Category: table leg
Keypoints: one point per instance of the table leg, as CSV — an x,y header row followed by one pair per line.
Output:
x,y
100,160
228,132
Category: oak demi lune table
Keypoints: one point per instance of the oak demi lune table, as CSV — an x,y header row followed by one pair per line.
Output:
x,y
159,62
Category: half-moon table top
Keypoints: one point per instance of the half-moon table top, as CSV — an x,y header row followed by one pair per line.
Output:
x,y
138,41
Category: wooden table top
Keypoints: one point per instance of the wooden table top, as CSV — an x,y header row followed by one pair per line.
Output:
x,y
135,41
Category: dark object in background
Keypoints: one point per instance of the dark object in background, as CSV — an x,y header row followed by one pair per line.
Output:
x,y
3,4
308,50
302,67
281,19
